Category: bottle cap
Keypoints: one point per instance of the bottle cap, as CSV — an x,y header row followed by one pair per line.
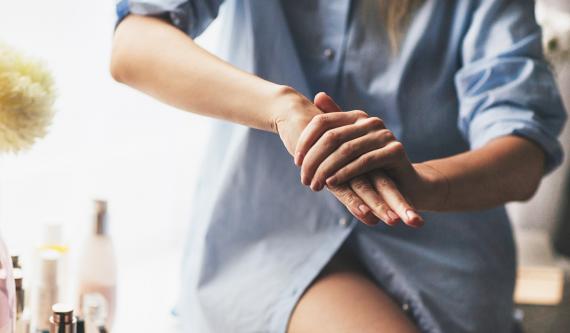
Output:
x,y
16,261
62,313
53,233
100,217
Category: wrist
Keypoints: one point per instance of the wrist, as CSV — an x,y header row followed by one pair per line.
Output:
x,y
435,189
288,104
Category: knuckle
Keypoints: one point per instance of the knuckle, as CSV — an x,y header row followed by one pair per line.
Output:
x,y
346,149
380,206
376,122
332,137
367,159
359,185
360,114
321,119
397,148
386,135
351,200
336,192
382,182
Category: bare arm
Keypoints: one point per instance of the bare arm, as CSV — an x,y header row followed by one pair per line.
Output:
x,y
335,148
506,169
160,60
154,57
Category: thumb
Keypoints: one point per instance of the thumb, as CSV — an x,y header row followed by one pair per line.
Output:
x,y
325,103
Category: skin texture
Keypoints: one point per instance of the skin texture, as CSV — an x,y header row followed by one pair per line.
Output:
x,y
374,178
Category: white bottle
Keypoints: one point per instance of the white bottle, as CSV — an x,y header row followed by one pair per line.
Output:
x,y
97,265
52,241
46,291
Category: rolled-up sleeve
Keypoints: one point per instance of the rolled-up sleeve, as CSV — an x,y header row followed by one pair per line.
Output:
x,y
505,86
190,16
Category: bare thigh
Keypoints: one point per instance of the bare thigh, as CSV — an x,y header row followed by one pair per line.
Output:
x,y
344,299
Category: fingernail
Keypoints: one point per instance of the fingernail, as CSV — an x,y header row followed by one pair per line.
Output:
x,y
414,219
296,159
304,179
393,217
364,209
332,181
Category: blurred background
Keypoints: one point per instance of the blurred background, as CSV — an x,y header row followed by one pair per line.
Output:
x,y
109,141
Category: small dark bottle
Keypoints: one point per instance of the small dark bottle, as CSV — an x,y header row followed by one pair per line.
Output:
x,y
62,320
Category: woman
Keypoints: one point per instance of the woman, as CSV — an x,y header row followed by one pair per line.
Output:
x,y
462,85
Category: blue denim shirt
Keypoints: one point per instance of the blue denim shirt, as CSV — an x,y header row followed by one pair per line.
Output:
x,y
466,73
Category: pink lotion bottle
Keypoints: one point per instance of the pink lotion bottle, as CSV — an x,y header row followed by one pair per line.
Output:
x,y
98,266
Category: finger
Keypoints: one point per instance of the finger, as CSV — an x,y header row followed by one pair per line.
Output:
x,y
365,190
394,198
328,144
386,157
319,125
345,154
355,205
326,103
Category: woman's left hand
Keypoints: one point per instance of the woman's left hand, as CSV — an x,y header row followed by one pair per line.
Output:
x,y
337,147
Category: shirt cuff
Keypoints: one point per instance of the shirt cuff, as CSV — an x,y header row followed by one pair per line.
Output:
x,y
176,12
503,121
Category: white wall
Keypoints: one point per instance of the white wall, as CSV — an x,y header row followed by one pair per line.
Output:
x,y
106,141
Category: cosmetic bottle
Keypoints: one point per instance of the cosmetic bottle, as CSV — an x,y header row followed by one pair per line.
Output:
x,y
53,241
97,266
7,291
22,315
95,312
62,319
46,291
80,325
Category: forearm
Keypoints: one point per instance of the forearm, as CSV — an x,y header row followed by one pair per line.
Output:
x,y
507,169
160,60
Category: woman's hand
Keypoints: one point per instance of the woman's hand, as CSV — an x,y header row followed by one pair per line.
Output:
x,y
376,196
293,113
337,147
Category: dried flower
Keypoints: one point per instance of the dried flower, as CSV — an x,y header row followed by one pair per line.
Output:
x,y
26,100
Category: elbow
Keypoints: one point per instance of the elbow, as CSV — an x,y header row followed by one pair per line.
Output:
x,y
527,188
529,171
117,64
120,55
527,193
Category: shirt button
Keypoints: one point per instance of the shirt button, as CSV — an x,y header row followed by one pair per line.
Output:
x,y
405,307
343,222
328,54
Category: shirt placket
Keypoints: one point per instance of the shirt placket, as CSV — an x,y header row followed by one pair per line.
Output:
x,y
332,48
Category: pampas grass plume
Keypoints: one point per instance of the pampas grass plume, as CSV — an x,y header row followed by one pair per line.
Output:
x,y
26,100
